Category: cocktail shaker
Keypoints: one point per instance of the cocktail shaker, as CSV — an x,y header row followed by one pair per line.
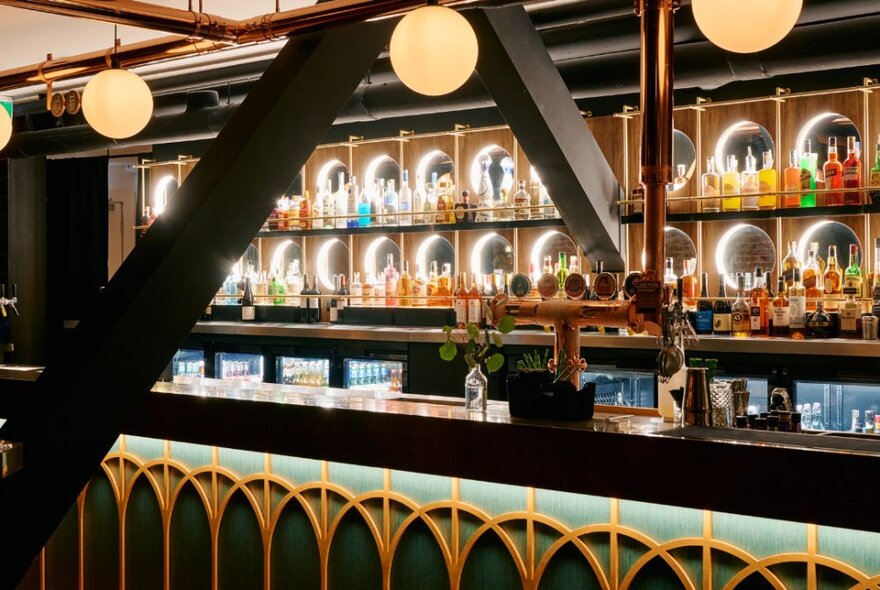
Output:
x,y
697,403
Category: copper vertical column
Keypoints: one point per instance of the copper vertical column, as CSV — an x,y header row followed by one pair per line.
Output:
x,y
656,106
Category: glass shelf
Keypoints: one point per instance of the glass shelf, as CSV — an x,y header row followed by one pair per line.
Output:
x,y
638,218
438,227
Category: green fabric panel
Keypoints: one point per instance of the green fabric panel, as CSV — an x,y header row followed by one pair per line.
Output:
x,y
296,471
657,575
760,536
190,550
144,561
191,455
242,463
573,510
792,575
354,562
857,548
490,566
600,545
568,569
356,478
724,567
422,488
147,449
295,560
829,579
661,523
759,582
101,535
493,498
691,559
629,551
418,562
62,554
240,547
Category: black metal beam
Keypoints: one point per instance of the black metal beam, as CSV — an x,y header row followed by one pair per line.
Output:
x,y
533,99
81,404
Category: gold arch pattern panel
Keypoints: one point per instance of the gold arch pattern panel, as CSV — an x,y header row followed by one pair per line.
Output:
x,y
269,495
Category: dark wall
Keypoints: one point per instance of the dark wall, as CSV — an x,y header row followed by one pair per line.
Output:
x,y
4,222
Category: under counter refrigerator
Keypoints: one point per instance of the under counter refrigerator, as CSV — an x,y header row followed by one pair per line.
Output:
x,y
621,387
840,406
370,374
188,362
239,366
299,370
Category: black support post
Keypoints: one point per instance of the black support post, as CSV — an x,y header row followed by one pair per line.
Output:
x,y
81,404
533,99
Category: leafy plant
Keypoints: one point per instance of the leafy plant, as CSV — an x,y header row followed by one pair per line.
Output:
x,y
478,347
561,368
533,361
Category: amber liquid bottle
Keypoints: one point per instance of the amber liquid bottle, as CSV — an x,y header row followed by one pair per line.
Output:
x,y
461,301
739,311
791,181
404,288
833,174
832,279
852,174
781,310
797,308
758,306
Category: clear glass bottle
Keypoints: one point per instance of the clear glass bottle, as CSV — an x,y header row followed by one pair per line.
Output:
x,y
521,202
476,388
418,202
797,308
749,184
711,187
357,289
670,279
730,185
485,192
392,203
791,181
390,282
294,283
740,325
768,182
406,201
808,163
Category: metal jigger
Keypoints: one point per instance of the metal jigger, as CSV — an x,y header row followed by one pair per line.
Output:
x,y
696,407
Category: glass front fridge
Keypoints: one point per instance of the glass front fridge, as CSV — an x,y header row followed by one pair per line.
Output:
x,y
840,406
385,375
294,370
188,364
618,387
238,366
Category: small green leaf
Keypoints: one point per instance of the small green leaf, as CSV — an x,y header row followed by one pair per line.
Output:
x,y
447,329
448,351
470,346
498,340
506,324
473,330
495,362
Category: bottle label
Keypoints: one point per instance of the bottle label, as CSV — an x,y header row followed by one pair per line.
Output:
x,y
740,322
848,318
248,313
755,318
851,174
781,317
830,285
334,315
704,321
806,178
461,312
721,323
851,289
830,172
797,309
474,311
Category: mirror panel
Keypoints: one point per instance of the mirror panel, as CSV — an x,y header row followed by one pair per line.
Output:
x,y
435,162
285,254
551,243
684,160
830,233
491,252
330,171
492,172
824,126
382,168
742,248
376,255
166,188
737,139
434,248
332,260
679,246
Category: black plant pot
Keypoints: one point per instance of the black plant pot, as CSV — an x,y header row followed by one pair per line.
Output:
x,y
532,394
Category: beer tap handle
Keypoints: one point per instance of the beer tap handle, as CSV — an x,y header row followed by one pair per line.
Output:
x,y
14,301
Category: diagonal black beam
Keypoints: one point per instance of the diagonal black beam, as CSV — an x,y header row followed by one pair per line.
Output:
x,y
533,99
81,404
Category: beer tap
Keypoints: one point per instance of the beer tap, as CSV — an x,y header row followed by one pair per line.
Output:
x,y
677,331
8,302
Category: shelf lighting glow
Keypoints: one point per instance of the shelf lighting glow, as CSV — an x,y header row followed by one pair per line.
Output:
x,y
721,146
422,253
720,264
535,258
477,252
323,262
807,129
278,256
370,256
324,172
160,195
370,174
804,242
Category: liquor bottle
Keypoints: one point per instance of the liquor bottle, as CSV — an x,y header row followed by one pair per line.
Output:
x,y
759,300
506,201
429,203
305,212
357,289
547,268
406,201
432,286
484,192
797,308
418,202
852,174
281,208
390,282
316,299
404,288
875,280
711,187
814,246
768,182
781,310
678,183
521,202
462,297
689,283
261,289
329,206
819,323
441,201
294,203
294,282
306,300
364,204
789,263
276,290
853,280
604,283
379,290
749,183
334,304
808,163
703,319
462,206
562,271
832,279
248,311
342,293
740,324
791,181
768,284
833,170
346,207
392,203
874,179
670,279
850,317
475,304
535,200
814,284
444,286
730,185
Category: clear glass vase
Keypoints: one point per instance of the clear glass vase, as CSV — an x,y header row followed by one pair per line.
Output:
x,y
476,390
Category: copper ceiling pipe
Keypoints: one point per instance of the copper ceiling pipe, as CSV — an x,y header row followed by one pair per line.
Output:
x,y
656,107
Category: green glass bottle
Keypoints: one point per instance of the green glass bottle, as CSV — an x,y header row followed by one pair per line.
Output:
x,y
562,272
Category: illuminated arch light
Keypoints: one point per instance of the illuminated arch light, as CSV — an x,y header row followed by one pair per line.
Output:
x,y
475,164
324,172
721,146
160,195
278,256
722,247
535,259
323,262
807,237
807,129
422,252
370,174
370,256
477,251
422,168
645,256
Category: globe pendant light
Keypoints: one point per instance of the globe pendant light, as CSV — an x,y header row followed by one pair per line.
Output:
x,y
117,103
746,26
433,50
5,123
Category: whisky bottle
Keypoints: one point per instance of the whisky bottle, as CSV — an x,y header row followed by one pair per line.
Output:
x,y
791,181
475,304
711,187
758,306
721,319
740,324
852,277
444,285
403,287
689,284
461,301
749,183
797,308
521,202
432,286
832,279
305,212
852,174
767,182
819,323
850,317
367,290
790,262
781,310
703,319
874,179
730,185
833,170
